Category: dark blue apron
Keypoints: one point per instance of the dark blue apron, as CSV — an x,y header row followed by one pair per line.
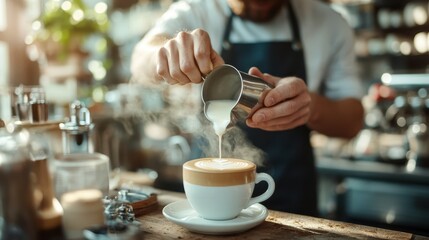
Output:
x,y
290,159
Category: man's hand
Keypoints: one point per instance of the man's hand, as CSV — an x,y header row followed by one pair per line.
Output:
x,y
285,107
187,58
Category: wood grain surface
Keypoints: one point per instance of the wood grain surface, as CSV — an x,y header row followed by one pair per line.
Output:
x,y
278,225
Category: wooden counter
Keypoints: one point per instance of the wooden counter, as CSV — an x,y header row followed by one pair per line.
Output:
x,y
278,225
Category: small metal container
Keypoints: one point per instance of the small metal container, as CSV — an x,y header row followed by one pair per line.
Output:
x,y
228,83
76,132
31,104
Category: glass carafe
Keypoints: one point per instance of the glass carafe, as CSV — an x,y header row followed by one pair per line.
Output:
x,y
17,203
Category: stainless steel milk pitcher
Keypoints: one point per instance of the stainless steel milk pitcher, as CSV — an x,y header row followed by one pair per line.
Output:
x,y
226,82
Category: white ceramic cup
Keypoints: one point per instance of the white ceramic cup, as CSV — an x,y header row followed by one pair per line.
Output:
x,y
219,189
77,171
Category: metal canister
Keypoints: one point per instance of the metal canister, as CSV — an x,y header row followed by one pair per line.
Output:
x,y
226,82
76,132
31,104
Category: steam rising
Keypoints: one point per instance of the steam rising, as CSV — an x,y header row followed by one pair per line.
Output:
x,y
234,144
179,110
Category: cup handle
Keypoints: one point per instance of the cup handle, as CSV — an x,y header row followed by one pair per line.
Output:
x,y
270,190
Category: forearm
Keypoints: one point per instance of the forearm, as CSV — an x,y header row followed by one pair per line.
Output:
x,y
341,118
143,61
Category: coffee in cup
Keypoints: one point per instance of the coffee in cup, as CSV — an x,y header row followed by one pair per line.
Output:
x,y
219,189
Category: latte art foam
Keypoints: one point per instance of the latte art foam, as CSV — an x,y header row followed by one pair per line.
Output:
x,y
220,164
219,172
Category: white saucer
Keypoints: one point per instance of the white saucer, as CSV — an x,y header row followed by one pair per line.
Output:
x,y
183,214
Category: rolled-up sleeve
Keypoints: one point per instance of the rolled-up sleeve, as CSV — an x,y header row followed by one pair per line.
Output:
x,y
341,79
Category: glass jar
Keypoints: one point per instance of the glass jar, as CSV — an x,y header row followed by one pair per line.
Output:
x,y
17,203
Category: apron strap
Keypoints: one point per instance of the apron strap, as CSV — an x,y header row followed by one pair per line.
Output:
x,y
296,36
225,40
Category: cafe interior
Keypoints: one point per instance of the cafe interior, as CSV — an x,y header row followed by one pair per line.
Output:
x,y
66,84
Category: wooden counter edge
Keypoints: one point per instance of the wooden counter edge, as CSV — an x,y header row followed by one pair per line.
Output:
x,y
305,224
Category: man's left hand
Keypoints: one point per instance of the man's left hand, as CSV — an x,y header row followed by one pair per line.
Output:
x,y
286,106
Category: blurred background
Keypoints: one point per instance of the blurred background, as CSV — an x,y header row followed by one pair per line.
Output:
x,y
81,49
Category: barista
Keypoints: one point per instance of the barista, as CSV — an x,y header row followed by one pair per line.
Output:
x,y
302,47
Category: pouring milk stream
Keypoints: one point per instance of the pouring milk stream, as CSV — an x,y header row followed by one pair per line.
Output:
x,y
229,95
219,113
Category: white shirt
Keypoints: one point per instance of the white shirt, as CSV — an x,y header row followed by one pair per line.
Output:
x,y
327,39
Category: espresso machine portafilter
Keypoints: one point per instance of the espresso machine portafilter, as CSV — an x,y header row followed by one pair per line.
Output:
x,y
418,135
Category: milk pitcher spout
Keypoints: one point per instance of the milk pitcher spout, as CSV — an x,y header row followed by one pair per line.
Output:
x,y
226,82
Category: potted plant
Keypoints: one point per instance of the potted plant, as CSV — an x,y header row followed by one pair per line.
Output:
x,y
59,34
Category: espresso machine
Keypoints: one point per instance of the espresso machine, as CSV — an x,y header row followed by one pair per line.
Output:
x,y
413,115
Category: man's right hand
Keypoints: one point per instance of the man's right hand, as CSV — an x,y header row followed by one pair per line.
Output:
x,y
187,58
